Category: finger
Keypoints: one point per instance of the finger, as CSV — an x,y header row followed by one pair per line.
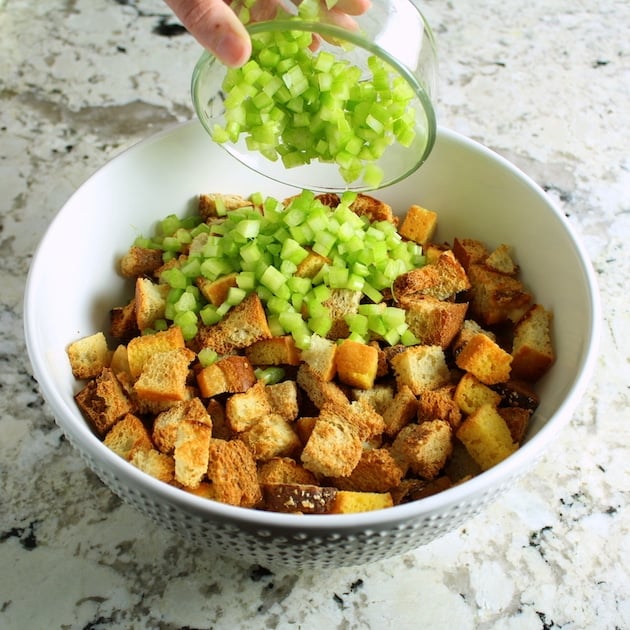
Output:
x,y
352,7
215,26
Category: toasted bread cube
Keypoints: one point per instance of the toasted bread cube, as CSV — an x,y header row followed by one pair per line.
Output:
x,y
469,251
425,447
89,355
356,364
468,330
501,260
496,297
274,351
341,302
419,224
304,427
150,299
164,375
298,498
271,436
333,449
348,502
244,410
232,471
284,470
372,208
140,261
376,471
128,435
485,360
317,389
471,393
158,465
416,489
420,368
486,437
123,324
119,363
320,357
103,401
441,280
220,428
532,351
165,425
283,398
358,415
311,265
517,393
380,397
213,205
232,374
517,420
439,404
139,349
192,443
433,321
215,291
432,251
243,324
401,412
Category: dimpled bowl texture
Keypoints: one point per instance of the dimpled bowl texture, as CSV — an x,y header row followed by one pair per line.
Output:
x,y
476,193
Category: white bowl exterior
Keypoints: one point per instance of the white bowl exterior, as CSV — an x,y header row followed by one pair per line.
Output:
x,y
476,193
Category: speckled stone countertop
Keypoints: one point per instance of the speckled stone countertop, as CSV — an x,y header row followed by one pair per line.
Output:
x,y
546,84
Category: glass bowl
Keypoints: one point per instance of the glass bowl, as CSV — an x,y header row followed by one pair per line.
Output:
x,y
393,32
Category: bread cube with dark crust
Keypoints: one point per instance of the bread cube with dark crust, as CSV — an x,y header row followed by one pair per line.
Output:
x,y
275,351
424,448
298,498
373,209
532,350
469,251
376,471
517,420
103,401
232,374
123,324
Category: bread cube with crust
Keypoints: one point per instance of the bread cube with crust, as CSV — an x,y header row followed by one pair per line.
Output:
x,y
298,498
421,367
515,393
349,502
164,432
333,448
471,393
192,443
439,404
232,374
442,279
311,265
232,471
358,415
532,350
128,435
243,410
424,448
341,302
501,260
271,436
517,420
284,470
140,261
123,324
119,362
496,297
275,351
156,464
320,357
213,205
433,321
380,396
468,330
103,401
372,208
469,251
140,349
283,398
164,376
216,291
89,355
356,364
401,412
317,389
419,224
486,437
485,360
243,324
376,471
150,302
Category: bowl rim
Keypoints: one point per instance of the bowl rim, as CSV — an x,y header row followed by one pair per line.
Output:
x,y
89,445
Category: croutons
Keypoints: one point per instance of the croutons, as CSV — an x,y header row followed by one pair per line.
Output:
x,y
356,364
421,367
485,360
532,352
88,356
419,224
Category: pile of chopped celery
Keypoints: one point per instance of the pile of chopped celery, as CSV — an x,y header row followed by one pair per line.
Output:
x,y
299,105
263,245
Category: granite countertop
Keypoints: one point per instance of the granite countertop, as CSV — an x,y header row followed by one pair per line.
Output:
x,y
544,84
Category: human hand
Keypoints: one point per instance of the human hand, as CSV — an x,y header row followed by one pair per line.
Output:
x,y
216,26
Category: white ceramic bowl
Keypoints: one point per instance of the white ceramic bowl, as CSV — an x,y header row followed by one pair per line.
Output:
x,y
477,194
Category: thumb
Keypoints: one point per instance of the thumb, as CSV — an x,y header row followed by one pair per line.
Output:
x,y
216,27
